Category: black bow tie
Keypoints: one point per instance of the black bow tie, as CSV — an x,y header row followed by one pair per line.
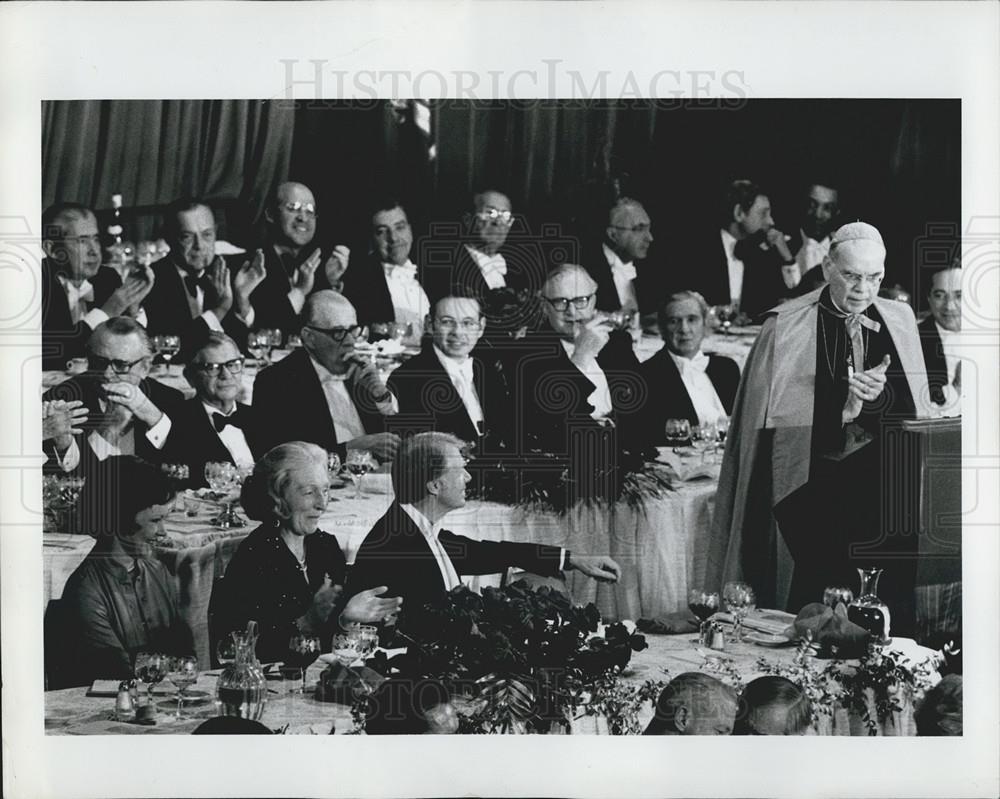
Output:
x,y
235,419
191,283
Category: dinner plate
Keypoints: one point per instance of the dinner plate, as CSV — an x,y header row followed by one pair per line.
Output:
x,y
767,639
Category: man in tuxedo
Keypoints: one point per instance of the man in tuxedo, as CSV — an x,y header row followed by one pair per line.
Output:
x,y
325,392
694,703
408,551
129,413
195,291
212,426
744,267
814,444
939,340
681,382
292,257
385,287
812,244
78,293
448,388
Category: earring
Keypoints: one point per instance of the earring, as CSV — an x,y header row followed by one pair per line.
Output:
x,y
277,522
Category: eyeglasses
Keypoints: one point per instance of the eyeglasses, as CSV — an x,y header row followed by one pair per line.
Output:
x,y
306,208
234,367
99,363
468,324
339,333
497,215
644,228
855,279
562,303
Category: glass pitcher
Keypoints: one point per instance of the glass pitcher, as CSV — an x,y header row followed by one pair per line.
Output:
x,y
868,611
242,687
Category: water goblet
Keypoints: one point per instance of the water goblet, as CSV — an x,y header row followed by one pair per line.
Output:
x,y
222,477
703,438
150,668
722,430
183,673
677,431
834,595
259,345
170,345
739,600
302,651
359,463
347,648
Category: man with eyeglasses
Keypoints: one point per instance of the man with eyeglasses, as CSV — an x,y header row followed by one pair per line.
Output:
x,y
386,286
292,258
213,426
448,388
78,293
129,413
326,392
813,448
196,292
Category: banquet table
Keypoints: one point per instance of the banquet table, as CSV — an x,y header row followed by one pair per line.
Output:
x,y
71,712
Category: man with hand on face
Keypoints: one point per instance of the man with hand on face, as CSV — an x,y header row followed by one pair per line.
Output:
x,y
811,246
447,388
195,291
385,287
681,381
409,552
292,257
813,444
78,294
129,413
325,392
939,338
213,426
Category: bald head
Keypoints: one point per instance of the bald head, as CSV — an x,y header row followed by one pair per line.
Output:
x,y
329,329
293,215
694,703
328,308
855,266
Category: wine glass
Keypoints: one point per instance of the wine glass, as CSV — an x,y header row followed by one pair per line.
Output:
x,y
222,477
302,651
150,668
721,430
678,431
259,345
725,314
703,438
274,340
834,595
739,600
702,604
359,463
170,345
183,673
294,341
347,648
225,650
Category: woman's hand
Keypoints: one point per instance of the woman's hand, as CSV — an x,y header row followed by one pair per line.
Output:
x,y
322,606
369,606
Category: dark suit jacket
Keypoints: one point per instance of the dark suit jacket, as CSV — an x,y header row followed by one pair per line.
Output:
x,y
667,398
167,311
270,299
365,287
396,554
429,401
169,400
193,440
61,339
933,349
649,292
290,405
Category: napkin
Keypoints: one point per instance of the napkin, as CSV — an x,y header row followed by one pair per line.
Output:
x,y
342,685
831,629
376,483
686,467
683,621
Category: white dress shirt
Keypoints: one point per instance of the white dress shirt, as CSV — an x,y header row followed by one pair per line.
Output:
x,y
704,397
623,275
601,396
951,347
232,437
734,267
125,444
196,305
80,298
409,300
460,373
810,254
492,267
347,422
430,532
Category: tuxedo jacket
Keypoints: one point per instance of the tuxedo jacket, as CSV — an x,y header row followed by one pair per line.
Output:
x,y
289,405
933,349
169,400
428,400
194,441
396,554
271,306
365,286
167,311
61,339
648,292
667,398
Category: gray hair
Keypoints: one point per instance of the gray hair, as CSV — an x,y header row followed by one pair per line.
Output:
x,y
680,296
121,326
420,459
263,494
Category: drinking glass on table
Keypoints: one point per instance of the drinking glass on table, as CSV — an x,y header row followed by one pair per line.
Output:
x,y
722,430
349,646
259,345
702,604
833,595
359,463
151,668
739,600
302,651
704,437
678,432
725,314
183,673
170,345
222,477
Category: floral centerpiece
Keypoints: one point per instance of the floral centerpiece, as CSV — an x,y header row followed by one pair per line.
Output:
x,y
520,660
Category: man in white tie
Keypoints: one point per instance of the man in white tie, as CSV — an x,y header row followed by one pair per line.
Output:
x,y
213,426
408,551
78,294
940,338
819,220
386,288
129,413
681,381
491,221
326,392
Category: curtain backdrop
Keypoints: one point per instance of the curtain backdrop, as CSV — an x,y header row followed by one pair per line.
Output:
x,y
152,152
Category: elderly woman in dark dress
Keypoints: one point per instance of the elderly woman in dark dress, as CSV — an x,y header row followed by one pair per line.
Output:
x,y
121,600
287,575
